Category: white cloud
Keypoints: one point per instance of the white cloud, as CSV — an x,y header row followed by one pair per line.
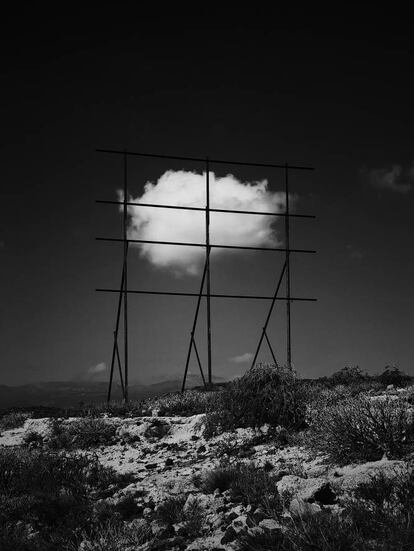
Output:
x,y
189,189
243,358
96,369
395,179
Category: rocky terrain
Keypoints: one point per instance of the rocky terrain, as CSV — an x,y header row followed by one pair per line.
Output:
x,y
167,458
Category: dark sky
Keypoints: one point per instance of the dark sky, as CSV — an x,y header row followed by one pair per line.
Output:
x,y
332,90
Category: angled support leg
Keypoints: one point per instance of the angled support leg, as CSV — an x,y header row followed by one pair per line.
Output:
x,y
194,326
115,345
271,349
269,314
199,363
120,370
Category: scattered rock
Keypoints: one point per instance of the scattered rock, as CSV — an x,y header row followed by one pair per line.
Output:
x,y
350,477
180,529
147,512
270,525
229,535
258,515
241,524
157,429
307,489
161,530
298,507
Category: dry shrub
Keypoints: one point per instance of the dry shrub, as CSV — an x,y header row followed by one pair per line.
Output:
x,y
114,537
171,510
247,483
50,495
85,433
185,404
265,394
13,420
377,517
363,429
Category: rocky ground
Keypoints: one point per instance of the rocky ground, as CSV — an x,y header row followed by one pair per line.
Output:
x,y
168,456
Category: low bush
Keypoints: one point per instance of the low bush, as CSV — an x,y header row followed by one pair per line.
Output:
x,y
247,483
49,494
13,420
230,447
33,439
185,404
219,478
134,408
171,510
322,532
81,434
180,510
363,429
255,486
393,376
114,537
349,375
194,518
377,517
265,394
382,508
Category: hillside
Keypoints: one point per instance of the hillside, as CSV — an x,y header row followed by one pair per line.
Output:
x,y
333,470
69,394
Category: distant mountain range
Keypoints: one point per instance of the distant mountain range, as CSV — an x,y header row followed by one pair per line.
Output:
x,y
73,394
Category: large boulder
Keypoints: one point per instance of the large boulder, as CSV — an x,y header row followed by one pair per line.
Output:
x,y
309,490
350,477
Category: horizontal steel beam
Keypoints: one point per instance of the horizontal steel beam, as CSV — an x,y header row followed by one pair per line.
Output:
x,y
182,243
153,205
203,160
180,294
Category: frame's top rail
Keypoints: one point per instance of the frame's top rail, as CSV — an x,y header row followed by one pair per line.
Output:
x,y
212,295
203,160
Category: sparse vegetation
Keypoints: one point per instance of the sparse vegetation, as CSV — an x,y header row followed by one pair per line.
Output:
x,y
190,402
54,495
377,517
363,429
50,496
113,536
247,484
220,478
82,433
321,532
33,439
394,376
13,420
171,509
265,394
184,404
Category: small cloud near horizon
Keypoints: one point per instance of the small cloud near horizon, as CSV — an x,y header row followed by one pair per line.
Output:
x,y
242,358
396,179
97,369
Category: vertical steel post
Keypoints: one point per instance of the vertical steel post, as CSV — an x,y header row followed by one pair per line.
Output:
x,y
287,240
125,277
210,378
